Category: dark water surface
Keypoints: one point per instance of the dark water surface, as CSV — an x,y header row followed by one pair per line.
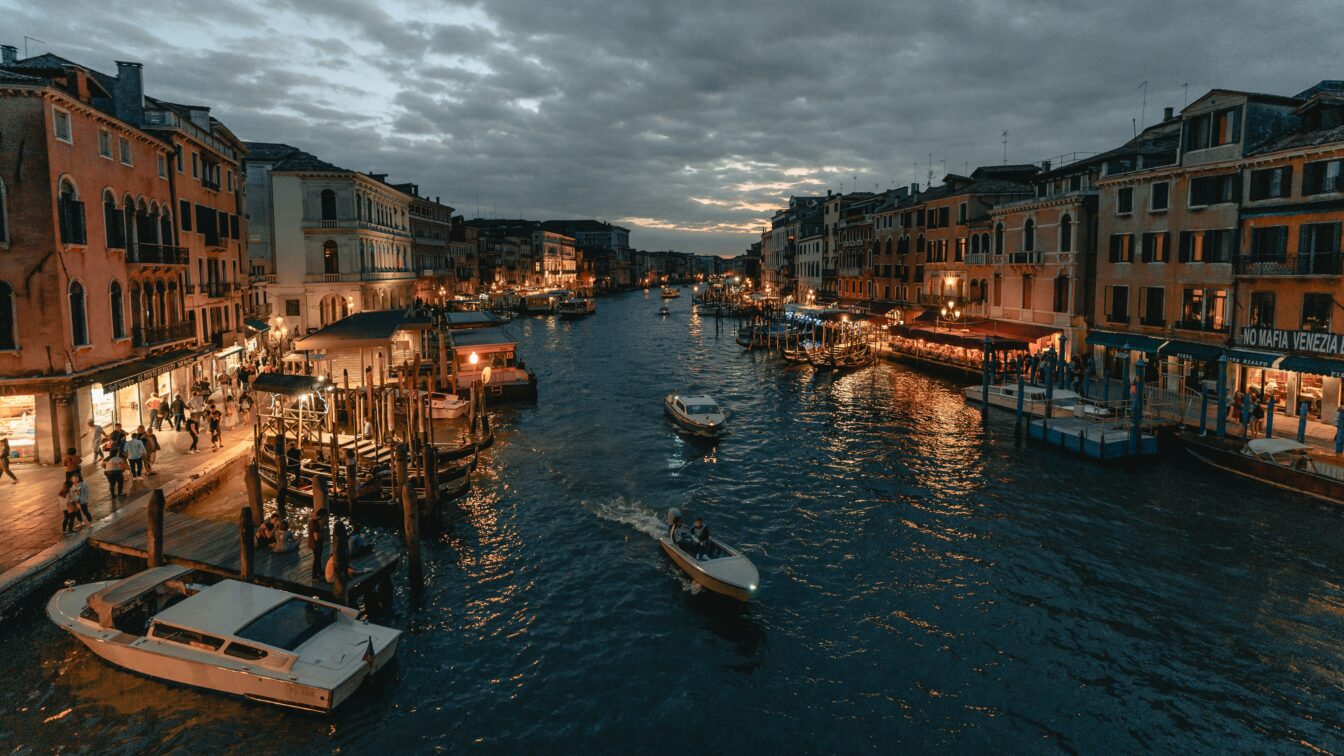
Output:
x,y
925,586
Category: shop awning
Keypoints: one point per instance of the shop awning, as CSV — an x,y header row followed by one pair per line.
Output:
x,y
287,385
132,373
226,353
963,339
1010,329
1126,341
257,326
1190,350
1254,358
373,328
1302,363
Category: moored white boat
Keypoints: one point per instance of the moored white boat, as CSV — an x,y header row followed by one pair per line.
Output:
x,y
1004,396
237,638
698,414
446,406
719,567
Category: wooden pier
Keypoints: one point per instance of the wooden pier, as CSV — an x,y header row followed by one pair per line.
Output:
x,y
212,546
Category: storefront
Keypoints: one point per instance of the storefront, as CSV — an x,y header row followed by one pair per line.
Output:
x,y
18,423
1298,370
126,393
1115,354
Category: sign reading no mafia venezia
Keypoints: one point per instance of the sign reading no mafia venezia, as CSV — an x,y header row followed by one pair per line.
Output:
x,y
1320,342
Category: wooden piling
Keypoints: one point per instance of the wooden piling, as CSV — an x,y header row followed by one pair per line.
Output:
x,y
319,494
154,534
247,544
410,521
340,552
252,479
432,483
349,411
282,474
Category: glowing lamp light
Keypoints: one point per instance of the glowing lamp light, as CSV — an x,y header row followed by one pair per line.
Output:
x,y
473,358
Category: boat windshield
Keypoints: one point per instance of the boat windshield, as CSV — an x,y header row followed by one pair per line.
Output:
x,y
290,624
702,409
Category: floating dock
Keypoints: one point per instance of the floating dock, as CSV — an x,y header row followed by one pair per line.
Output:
x,y
212,546
1090,439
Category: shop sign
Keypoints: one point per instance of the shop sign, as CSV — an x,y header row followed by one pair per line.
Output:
x,y
1319,342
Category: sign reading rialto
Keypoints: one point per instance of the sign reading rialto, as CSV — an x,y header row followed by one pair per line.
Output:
x,y
1320,342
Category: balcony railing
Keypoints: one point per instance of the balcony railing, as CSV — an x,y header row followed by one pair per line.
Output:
x,y
925,298
1153,322
209,184
1024,258
143,336
1196,325
1290,265
1117,317
216,288
264,278
156,254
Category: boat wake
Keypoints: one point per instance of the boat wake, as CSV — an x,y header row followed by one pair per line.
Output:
x,y
632,513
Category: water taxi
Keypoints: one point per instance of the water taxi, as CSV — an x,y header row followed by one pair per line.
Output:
x,y
576,307
715,566
236,638
1004,396
1280,462
670,292
697,414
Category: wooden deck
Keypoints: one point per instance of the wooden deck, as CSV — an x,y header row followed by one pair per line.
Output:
x,y
212,546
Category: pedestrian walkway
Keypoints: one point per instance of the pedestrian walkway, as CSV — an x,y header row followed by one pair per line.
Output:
x,y
30,511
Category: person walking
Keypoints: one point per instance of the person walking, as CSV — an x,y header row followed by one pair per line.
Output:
x,y
216,441
81,488
152,447
69,499
71,461
317,539
135,455
4,460
179,408
96,433
114,469
193,429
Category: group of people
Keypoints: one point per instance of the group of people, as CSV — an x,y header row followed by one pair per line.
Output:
x,y
1248,410
275,535
696,541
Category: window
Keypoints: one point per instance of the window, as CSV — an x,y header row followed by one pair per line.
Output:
x,y
1159,196
177,155
961,214
9,337
105,143
1212,190
1152,301
289,625
1269,243
195,165
328,203
1271,182
113,231
943,214
184,212
61,125
1028,283
1066,234
1061,299
1204,310
124,151
292,307
998,239
1262,309
1124,200
79,324
1316,311
1212,246
1155,247
162,162
71,215
331,264
186,637
118,313
1117,304
1213,129
998,290
243,651
1324,176
1318,249
1122,248
230,185
1029,236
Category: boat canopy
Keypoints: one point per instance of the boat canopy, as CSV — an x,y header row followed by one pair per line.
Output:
x,y
1272,446
105,602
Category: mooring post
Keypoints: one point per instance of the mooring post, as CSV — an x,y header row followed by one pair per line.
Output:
x,y
351,480
252,479
984,382
319,495
1021,387
154,533
411,525
1203,409
1269,418
1222,396
247,544
432,487
340,552
282,474
1301,421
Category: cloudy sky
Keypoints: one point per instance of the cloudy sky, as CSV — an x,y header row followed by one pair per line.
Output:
x,y
685,120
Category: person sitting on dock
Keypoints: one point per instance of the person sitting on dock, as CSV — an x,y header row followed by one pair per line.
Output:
x,y
285,541
266,533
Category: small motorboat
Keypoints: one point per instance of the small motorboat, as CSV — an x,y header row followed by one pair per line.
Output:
x,y
238,638
446,406
664,311
670,292
1004,396
717,567
1280,462
698,414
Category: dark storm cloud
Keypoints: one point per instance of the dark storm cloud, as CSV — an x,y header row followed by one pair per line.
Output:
x,y
688,120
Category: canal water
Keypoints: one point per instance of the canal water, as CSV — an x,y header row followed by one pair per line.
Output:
x,y
927,583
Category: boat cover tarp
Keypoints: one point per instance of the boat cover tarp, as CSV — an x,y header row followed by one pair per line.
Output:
x,y
108,599
479,337
959,338
1273,446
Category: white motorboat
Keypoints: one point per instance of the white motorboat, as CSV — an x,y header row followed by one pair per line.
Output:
x,y
1004,396
446,406
717,567
237,638
670,292
576,307
698,414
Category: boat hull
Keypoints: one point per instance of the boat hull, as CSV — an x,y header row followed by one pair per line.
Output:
x,y
694,429
702,578
1225,456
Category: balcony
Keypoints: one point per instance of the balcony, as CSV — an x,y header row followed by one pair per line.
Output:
x,y
1196,325
264,278
935,300
1024,258
216,289
156,254
1289,265
216,243
146,336
977,258
211,185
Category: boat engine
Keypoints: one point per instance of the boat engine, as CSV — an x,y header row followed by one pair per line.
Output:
x,y
673,515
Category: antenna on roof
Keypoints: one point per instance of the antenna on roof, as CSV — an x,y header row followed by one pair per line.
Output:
x,y
930,169
25,43
1143,111
1135,125
1186,89
1005,146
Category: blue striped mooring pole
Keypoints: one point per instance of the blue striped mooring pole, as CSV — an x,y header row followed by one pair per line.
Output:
x,y
1301,422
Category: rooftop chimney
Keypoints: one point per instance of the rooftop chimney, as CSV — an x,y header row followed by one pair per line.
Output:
x,y
1168,113
130,94
1045,166
9,55
914,188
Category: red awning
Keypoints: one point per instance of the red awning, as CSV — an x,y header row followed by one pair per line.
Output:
x,y
1012,330
964,339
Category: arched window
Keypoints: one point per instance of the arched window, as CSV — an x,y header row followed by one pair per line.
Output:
x,y
4,218
118,312
998,239
166,228
331,262
919,245
113,232
9,335
1029,235
328,205
1066,234
160,291
975,244
71,212
984,290
79,322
